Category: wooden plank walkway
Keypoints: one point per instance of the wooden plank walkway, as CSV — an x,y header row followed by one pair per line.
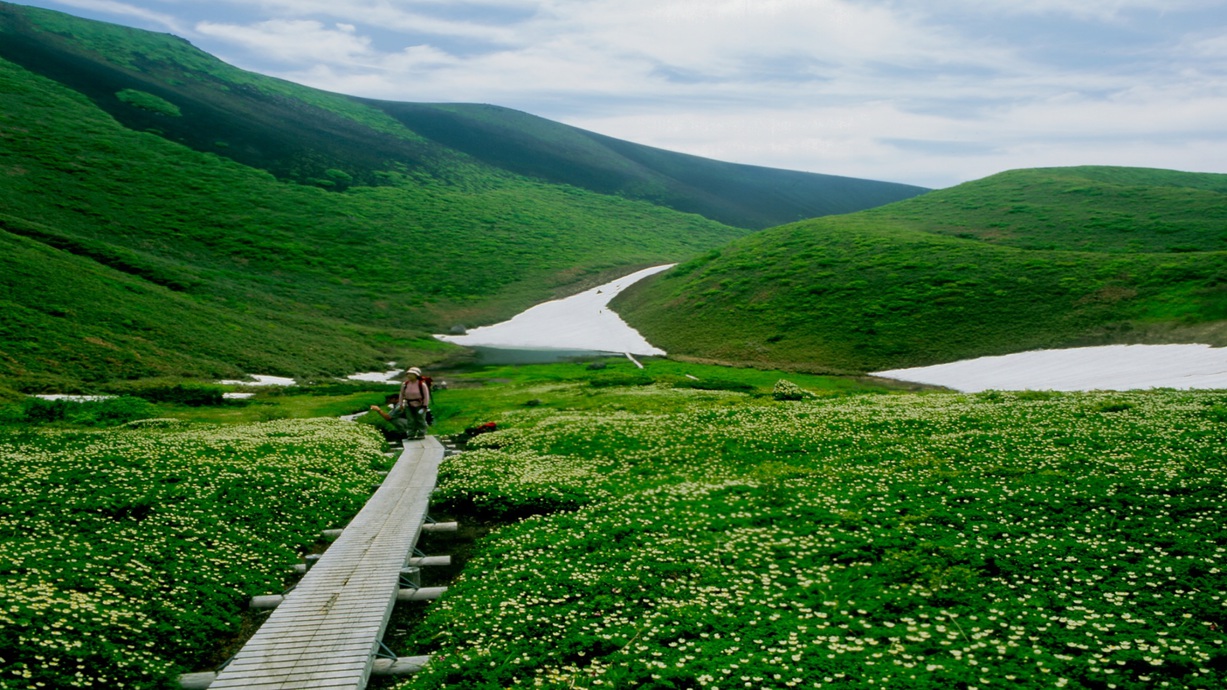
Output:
x,y
327,630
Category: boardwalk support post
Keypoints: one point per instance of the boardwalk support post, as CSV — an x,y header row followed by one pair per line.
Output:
x,y
311,559
422,561
440,527
400,666
266,601
420,594
197,681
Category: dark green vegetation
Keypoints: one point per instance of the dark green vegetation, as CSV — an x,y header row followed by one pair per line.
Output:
x,y
480,394
124,401
740,195
1020,260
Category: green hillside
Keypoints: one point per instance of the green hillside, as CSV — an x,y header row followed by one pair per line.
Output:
x,y
161,83
1021,260
157,222
741,195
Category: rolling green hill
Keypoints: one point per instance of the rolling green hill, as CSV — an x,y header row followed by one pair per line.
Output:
x,y
166,214
1021,260
161,83
206,240
740,195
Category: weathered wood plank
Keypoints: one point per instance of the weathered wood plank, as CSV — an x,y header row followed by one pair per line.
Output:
x,y
324,632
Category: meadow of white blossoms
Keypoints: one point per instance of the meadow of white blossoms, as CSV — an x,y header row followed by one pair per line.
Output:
x,y
1026,540
127,555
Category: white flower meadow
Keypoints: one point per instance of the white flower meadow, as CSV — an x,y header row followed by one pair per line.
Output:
x,y
940,541
126,555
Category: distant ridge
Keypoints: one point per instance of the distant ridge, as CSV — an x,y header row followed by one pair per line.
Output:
x,y
300,134
741,195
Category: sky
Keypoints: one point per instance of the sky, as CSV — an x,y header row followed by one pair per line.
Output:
x,y
926,92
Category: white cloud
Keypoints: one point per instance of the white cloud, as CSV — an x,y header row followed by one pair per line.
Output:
x,y
823,85
1089,10
167,22
386,15
1212,46
294,40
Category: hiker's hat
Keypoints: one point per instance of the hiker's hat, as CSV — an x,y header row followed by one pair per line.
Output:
x,y
415,371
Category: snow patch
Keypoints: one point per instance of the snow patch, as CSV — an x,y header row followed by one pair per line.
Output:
x,y
392,376
1110,367
260,380
579,322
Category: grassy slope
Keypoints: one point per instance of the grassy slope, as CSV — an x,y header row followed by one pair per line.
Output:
x,y
301,134
301,279
1021,260
740,195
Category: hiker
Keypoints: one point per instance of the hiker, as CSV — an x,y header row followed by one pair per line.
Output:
x,y
409,414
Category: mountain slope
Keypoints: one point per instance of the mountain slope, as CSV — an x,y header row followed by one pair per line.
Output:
x,y
177,260
1021,260
331,140
740,195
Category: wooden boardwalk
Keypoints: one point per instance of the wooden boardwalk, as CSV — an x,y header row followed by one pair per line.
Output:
x,y
327,630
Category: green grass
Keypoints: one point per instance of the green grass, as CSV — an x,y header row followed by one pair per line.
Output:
x,y
189,401
940,540
1009,263
481,394
127,555
1095,209
653,534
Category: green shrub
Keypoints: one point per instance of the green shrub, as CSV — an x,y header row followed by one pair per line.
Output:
x,y
609,380
148,101
787,390
179,393
346,387
715,385
111,411
1113,406
90,413
42,411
